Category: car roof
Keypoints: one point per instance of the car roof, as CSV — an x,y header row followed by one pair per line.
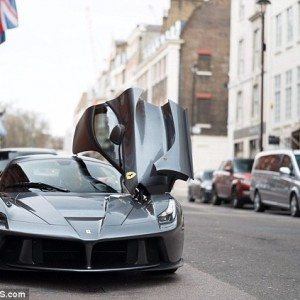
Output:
x,y
27,149
277,151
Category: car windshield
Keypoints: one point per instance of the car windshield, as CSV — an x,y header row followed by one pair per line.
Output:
x,y
207,175
242,165
298,159
72,174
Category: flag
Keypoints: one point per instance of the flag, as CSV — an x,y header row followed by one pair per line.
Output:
x,y
8,14
2,37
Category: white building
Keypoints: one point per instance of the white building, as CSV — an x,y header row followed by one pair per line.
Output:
x,y
282,73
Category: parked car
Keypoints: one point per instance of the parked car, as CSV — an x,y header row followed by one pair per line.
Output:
x,y
276,181
231,182
8,154
200,186
79,214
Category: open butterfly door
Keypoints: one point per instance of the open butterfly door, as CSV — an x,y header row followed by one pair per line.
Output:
x,y
149,145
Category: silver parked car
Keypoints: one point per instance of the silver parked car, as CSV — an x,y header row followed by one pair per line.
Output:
x,y
8,154
276,180
200,187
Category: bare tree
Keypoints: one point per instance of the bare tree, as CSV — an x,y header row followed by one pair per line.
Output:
x,y
25,129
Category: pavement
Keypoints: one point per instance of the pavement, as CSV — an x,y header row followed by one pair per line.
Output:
x,y
228,253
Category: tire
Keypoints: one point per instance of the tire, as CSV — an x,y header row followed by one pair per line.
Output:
x,y
190,198
203,197
235,200
215,200
258,206
294,206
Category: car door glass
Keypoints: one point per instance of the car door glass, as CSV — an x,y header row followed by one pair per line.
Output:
x,y
273,163
104,122
287,162
228,166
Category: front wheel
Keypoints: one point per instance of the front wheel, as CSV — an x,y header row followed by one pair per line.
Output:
x,y
295,212
258,206
215,200
190,197
236,201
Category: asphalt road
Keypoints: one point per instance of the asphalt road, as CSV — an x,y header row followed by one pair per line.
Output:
x,y
229,254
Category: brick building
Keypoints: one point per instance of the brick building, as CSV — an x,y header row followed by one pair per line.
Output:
x,y
206,47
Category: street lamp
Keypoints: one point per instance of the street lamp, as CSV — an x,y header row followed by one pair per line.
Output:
x,y
263,6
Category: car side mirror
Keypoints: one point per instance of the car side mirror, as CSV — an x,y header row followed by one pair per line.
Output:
x,y
285,171
117,134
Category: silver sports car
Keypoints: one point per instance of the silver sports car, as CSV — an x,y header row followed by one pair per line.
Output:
x,y
79,214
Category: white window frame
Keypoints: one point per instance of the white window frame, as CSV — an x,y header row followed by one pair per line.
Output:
x,y
255,101
239,107
289,25
278,30
277,106
256,48
241,10
298,91
241,55
299,19
288,94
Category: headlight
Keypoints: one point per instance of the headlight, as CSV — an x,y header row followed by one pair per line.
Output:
x,y
3,220
169,214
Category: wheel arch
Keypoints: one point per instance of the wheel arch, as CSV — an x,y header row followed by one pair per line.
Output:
x,y
295,192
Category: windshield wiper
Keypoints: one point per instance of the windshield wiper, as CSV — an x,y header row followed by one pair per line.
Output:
x,y
38,185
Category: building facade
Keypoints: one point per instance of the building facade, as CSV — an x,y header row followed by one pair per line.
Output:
x,y
281,77
186,59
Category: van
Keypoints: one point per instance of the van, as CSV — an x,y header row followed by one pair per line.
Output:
x,y
276,181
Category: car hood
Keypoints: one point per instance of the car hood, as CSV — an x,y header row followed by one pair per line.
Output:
x,y
155,150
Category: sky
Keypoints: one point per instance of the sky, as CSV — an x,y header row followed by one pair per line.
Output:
x,y
47,62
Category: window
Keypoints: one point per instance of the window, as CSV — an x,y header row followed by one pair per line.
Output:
x,y
289,22
239,149
253,147
227,166
288,95
256,49
241,10
268,163
287,162
241,62
277,98
278,37
204,62
255,101
239,107
298,92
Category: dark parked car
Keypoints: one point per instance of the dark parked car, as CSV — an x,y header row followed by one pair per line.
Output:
x,y
7,154
231,182
200,186
79,214
276,181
